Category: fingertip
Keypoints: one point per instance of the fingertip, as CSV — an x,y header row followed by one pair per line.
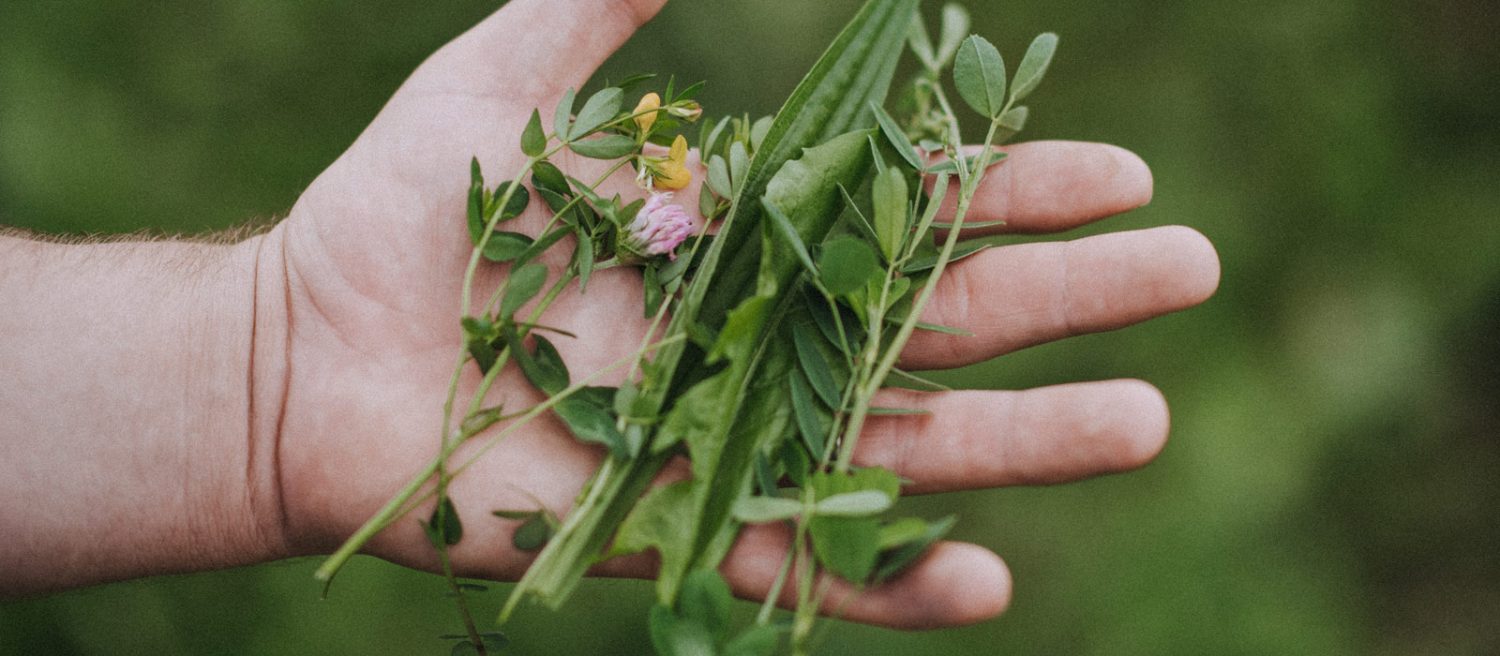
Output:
x,y
1143,424
1133,179
972,567
1198,261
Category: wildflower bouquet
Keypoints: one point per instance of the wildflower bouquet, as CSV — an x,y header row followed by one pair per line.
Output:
x,y
778,308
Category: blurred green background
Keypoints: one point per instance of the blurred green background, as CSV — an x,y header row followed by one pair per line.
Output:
x,y
1333,478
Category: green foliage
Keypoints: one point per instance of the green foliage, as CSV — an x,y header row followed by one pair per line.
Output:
x,y
979,74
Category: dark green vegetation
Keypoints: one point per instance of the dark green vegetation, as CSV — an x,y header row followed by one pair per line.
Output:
x,y
1331,483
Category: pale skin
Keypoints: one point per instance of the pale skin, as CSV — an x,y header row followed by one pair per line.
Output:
x,y
175,406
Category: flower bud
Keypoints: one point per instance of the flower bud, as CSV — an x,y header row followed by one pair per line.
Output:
x,y
658,228
688,110
649,104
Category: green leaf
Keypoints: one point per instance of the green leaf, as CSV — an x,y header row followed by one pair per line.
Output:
x,y
892,562
718,176
533,140
960,251
519,199
739,164
901,531
709,137
897,137
583,259
590,423
831,100
705,599
854,504
599,109
783,228
521,286
929,213
759,130
532,534
675,636
1011,123
546,176
563,116
608,146
955,25
476,199
810,422
759,510
979,74
891,217
816,368
541,244
708,204
845,264
446,523
758,640
505,246
544,367
464,648
659,521
921,45
1033,66
847,546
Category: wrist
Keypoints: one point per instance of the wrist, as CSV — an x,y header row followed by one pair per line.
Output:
x,y
126,420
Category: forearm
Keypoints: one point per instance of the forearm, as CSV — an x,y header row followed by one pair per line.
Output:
x,y
125,413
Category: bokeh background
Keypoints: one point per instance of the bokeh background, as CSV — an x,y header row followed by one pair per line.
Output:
x,y
1333,478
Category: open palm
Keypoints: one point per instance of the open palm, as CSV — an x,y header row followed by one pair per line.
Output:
x,y
372,259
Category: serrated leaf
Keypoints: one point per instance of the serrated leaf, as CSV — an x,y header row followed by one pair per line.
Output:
x,y
533,139
521,286
759,510
846,264
563,117
599,109
608,146
1033,66
890,198
854,504
979,75
897,137
955,26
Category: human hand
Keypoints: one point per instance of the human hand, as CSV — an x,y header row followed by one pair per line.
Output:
x,y
356,339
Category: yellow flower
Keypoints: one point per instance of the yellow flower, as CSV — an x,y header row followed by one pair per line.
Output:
x,y
673,173
649,104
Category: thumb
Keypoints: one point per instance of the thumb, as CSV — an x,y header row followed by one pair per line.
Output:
x,y
538,46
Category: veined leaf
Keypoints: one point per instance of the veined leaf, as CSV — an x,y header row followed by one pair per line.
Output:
x,y
979,74
597,110
1033,65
